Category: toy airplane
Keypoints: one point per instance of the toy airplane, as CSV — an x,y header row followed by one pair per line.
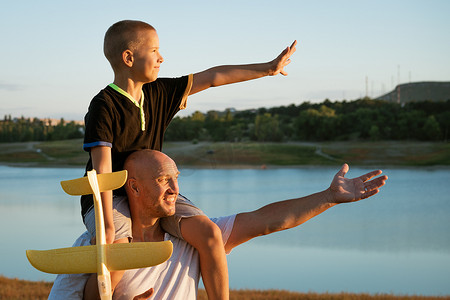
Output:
x,y
100,258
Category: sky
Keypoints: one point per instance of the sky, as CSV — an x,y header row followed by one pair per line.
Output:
x,y
52,63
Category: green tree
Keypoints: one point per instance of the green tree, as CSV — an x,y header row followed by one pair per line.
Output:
x,y
197,116
431,129
374,133
267,128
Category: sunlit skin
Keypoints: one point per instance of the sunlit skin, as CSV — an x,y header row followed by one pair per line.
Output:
x,y
350,190
141,65
160,186
146,58
153,185
166,185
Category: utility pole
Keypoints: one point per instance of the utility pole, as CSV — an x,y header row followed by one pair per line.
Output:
x,y
367,86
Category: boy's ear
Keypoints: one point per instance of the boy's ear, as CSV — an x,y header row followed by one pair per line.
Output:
x,y
127,57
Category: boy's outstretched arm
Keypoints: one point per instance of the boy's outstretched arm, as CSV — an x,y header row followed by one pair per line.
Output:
x,y
291,213
228,74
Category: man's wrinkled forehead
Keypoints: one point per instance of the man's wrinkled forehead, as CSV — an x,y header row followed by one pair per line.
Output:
x,y
167,167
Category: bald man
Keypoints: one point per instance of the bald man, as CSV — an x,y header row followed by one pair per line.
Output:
x,y
152,189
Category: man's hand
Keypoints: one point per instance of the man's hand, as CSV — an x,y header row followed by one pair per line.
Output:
x,y
144,295
349,190
282,60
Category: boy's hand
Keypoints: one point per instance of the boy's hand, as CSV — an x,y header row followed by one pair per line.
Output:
x,y
282,60
228,74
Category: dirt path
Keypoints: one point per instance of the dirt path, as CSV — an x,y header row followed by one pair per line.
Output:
x,y
17,147
24,147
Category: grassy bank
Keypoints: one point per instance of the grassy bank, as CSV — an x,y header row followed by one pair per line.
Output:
x,y
220,155
13,289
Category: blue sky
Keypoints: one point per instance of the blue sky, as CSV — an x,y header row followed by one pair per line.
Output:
x,y
52,62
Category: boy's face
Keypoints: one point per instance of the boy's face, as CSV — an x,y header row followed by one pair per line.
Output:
x,y
147,58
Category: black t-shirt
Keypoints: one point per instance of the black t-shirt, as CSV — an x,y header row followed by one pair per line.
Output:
x,y
113,120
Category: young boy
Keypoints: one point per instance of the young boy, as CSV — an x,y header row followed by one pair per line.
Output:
x,y
133,113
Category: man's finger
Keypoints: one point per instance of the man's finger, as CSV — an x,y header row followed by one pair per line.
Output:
x,y
344,169
376,183
144,295
370,175
370,193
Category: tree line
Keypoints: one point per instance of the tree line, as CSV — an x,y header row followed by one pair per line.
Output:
x,y
33,129
362,119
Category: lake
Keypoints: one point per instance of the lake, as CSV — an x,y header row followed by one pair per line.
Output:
x,y
395,242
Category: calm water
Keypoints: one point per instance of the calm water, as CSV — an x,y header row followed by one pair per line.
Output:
x,y
396,242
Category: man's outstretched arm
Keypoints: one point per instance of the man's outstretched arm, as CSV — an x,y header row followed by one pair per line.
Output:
x,y
228,74
291,213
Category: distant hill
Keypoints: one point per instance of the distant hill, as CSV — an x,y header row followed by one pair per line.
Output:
x,y
418,91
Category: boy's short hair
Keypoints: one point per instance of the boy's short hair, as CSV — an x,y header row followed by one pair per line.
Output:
x,y
122,36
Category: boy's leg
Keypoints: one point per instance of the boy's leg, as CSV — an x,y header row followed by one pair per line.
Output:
x,y
91,287
206,237
192,225
122,224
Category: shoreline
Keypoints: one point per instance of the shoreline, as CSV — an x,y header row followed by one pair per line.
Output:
x,y
14,288
248,155
245,166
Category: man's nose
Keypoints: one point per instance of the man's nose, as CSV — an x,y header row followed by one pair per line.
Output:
x,y
173,186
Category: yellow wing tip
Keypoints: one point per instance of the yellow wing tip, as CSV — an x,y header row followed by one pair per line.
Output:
x,y
107,181
33,258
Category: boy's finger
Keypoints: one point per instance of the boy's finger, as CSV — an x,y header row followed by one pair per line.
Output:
x,y
294,44
293,48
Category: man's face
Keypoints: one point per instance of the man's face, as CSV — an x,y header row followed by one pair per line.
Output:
x,y
161,189
147,58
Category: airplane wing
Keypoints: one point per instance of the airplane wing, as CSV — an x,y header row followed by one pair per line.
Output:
x,y
106,182
83,259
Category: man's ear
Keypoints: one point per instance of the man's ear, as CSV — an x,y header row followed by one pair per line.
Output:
x,y
127,57
132,186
